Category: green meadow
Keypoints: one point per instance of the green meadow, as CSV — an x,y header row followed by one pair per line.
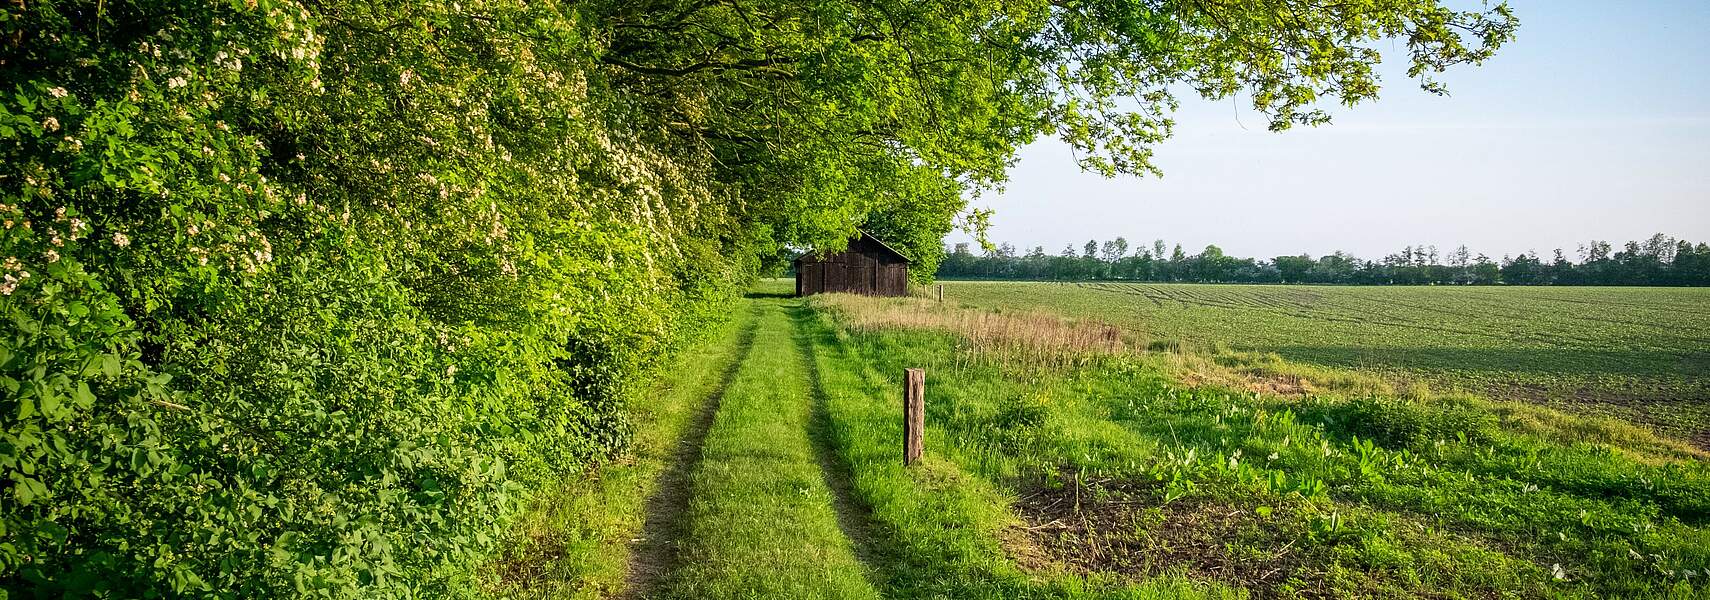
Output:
x,y
1642,354
1074,457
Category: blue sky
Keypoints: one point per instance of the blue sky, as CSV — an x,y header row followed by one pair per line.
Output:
x,y
1593,124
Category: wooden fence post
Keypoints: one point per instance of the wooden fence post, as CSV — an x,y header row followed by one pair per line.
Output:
x,y
940,292
914,414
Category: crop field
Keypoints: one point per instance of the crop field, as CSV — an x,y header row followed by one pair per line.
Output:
x,y
1642,354
1067,459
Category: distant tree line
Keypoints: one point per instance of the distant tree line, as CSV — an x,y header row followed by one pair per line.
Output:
x,y
1659,260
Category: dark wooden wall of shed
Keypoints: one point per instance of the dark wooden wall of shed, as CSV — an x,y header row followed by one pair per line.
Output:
x,y
865,268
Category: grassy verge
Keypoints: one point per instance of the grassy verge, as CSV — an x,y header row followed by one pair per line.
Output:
x,y
575,542
761,523
1105,475
944,532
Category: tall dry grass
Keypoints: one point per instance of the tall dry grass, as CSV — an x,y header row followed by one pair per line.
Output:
x,y
1033,340
1009,339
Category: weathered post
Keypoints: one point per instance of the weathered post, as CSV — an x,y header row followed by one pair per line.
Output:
x,y
914,414
940,292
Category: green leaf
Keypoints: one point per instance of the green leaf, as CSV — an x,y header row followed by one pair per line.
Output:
x,y
27,489
84,398
49,405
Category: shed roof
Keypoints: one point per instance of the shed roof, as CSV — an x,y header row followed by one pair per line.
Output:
x,y
865,236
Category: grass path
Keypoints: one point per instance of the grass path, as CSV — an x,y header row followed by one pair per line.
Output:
x,y
594,536
652,554
762,521
854,518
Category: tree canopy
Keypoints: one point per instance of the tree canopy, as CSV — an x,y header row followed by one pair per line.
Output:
x,y
823,112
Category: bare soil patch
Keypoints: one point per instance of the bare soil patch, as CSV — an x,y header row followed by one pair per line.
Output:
x,y
1127,530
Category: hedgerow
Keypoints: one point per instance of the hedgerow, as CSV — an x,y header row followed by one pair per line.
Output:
x,y
297,310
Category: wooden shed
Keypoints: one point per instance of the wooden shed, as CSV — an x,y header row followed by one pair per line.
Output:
x,y
867,267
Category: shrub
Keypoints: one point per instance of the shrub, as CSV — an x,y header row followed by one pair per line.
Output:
x,y
284,320
1401,423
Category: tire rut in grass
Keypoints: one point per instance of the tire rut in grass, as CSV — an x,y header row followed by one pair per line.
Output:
x,y
655,553
854,518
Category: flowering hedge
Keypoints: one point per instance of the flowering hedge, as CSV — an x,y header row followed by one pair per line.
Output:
x,y
303,310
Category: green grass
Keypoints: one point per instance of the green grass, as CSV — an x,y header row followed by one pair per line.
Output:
x,y
1298,496
944,527
762,523
1642,354
774,287
1102,473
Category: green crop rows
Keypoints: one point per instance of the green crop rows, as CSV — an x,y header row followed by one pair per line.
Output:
x,y
1637,353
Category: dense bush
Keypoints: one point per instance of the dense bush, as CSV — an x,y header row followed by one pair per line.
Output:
x,y
297,309
303,298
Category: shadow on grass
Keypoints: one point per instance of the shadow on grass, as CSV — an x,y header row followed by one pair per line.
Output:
x,y
758,295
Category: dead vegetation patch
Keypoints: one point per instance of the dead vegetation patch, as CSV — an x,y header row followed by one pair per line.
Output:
x,y
520,569
1258,383
1125,529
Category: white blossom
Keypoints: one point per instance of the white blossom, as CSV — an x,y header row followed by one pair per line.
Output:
x,y
50,124
57,92
227,61
121,240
